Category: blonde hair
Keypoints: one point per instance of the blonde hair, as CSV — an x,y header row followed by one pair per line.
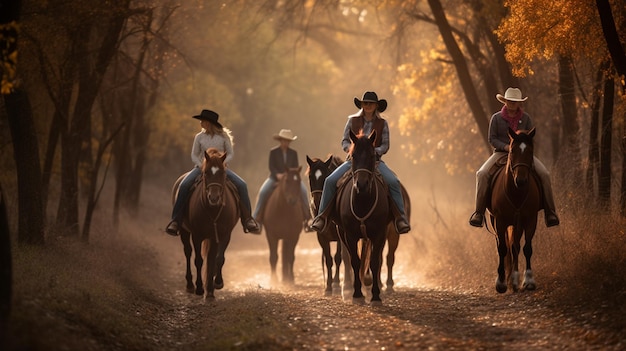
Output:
x,y
215,130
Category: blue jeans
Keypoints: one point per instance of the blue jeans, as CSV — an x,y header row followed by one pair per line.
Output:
x,y
182,200
330,185
266,190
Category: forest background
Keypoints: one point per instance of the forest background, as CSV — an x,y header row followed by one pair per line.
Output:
x,y
98,96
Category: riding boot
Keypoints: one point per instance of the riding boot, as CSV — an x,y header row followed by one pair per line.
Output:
x,y
320,222
478,217
260,218
249,224
400,221
172,228
549,210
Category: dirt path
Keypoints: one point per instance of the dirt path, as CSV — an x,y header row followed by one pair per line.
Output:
x,y
250,314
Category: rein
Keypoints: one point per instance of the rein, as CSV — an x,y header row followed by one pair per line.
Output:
x,y
220,186
371,210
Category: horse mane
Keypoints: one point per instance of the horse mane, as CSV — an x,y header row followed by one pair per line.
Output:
x,y
211,154
358,136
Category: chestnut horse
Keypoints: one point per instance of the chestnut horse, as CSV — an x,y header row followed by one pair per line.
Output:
x,y
515,201
363,212
208,222
283,220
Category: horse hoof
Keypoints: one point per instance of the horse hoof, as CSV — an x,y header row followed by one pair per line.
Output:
x,y
500,287
530,286
376,303
358,300
199,291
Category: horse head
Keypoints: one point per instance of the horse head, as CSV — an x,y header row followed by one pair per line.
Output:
x,y
363,156
318,171
214,176
290,185
520,161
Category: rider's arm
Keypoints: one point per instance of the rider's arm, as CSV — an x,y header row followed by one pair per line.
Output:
x,y
384,146
346,142
498,133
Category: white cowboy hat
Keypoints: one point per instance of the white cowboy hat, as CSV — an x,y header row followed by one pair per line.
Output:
x,y
511,94
285,134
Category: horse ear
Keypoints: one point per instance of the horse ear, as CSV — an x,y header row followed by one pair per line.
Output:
x,y
512,133
223,157
206,154
353,137
372,137
299,168
329,161
532,133
308,160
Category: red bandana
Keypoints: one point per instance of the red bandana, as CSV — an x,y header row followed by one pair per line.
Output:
x,y
512,120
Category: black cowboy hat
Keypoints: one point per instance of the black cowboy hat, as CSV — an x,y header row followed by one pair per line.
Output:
x,y
371,96
208,115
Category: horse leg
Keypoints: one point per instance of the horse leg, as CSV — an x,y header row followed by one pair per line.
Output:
x,y
375,267
502,253
516,235
211,265
393,238
219,265
529,281
355,262
289,257
273,246
327,265
338,258
185,238
199,261
348,275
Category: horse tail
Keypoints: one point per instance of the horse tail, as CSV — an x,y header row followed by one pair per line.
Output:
x,y
366,255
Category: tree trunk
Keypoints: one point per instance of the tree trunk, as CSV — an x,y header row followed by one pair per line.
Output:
x,y
570,127
6,269
604,184
469,90
26,154
594,145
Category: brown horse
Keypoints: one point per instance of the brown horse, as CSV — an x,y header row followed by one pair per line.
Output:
x,y
209,220
283,220
515,201
363,212
318,171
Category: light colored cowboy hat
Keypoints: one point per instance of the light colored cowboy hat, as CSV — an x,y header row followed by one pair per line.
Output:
x,y
208,115
371,96
511,94
286,134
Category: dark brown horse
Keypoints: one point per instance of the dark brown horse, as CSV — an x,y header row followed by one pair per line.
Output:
x,y
208,222
283,220
318,171
515,201
363,212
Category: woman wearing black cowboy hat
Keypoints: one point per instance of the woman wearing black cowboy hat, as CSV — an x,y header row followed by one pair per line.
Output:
x,y
212,135
367,119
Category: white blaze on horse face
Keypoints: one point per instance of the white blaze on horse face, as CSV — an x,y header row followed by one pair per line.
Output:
x,y
214,169
295,177
318,174
522,147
